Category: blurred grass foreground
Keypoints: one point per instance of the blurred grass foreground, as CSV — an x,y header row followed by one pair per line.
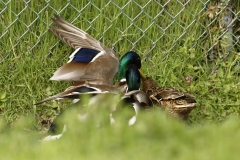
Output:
x,y
154,136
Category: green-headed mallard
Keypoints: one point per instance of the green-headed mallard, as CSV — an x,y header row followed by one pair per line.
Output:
x,y
177,103
93,87
134,100
92,66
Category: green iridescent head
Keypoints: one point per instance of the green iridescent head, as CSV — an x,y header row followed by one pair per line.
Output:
x,y
133,77
129,58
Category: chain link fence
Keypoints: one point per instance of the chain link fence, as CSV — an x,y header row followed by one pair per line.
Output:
x,y
215,25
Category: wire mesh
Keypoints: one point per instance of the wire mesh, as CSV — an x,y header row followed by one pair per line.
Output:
x,y
214,24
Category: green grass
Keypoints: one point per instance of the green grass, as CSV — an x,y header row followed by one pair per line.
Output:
x,y
170,52
154,136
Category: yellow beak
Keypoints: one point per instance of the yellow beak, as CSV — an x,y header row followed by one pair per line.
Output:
x,y
141,74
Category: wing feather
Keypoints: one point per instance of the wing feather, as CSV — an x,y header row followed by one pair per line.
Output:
x,y
103,66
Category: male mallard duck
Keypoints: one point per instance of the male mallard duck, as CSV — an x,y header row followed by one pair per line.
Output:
x,y
177,103
92,66
90,86
91,55
134,98
91,60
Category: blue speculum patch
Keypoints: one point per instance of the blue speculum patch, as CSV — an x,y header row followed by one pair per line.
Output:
x,y
84,89
85,55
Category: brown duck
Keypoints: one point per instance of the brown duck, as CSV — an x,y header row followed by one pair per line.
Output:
x,y
176,103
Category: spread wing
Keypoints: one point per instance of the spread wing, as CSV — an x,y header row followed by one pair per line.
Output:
x,y
89,60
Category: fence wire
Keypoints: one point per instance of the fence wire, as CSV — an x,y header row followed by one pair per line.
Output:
x,y
218,21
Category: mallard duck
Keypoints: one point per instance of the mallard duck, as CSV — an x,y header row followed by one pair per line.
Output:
x,y
92,53
134,99
177,103
91,66
93,86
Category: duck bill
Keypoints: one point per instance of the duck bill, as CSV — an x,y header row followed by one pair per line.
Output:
x,y
141,74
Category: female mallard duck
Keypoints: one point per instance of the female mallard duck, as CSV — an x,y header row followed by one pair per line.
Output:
x,y
177,103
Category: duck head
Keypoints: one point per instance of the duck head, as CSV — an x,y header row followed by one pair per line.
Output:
x,y
126,60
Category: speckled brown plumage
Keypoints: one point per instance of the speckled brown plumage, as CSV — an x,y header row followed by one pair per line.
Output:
x,y
176,103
